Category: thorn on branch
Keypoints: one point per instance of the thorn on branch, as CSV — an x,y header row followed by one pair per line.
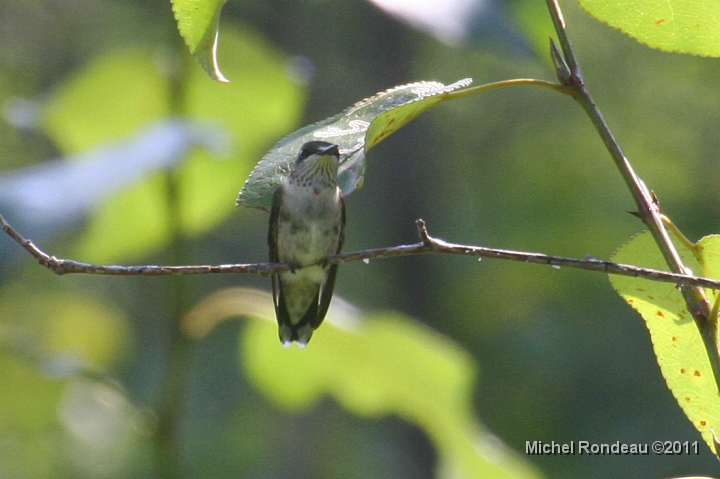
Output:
x,y
422,232
562,70
655,199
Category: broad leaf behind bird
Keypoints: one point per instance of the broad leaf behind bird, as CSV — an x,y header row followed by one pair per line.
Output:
x,y
307,224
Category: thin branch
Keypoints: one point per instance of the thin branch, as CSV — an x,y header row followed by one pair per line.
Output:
x,y
62,266
647,203
427,245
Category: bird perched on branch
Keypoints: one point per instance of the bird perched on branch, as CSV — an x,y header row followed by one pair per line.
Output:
x,y
307,224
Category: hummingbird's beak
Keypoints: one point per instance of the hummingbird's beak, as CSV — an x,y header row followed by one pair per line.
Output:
x,y
331,150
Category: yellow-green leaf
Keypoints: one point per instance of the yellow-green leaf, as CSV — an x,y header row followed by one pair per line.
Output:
x,y
198,22
686,26
355,131
373,365
676,339
77,328
108,99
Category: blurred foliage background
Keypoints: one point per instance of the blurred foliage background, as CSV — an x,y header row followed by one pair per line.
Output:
x,y
97,380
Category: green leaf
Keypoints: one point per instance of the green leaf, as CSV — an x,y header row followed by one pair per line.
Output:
x,y
198,22
685,26
676,339
124,92
107,100
66,328
29,401
373,365
355,130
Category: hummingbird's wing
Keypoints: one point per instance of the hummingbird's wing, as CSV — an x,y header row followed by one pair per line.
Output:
x,y
329,286
273,229
341,239
272,245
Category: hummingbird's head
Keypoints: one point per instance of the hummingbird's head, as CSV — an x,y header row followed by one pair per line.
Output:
x,y
317,165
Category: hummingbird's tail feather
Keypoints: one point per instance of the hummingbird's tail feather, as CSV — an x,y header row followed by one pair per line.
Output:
x,y
326,295
300,331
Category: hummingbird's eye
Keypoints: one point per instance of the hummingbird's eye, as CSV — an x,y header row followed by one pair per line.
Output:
x,y
304,153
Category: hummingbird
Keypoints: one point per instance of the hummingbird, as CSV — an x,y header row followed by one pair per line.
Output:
x,y
307,224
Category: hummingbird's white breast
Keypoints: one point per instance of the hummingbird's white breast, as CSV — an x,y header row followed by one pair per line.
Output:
x,y
309,224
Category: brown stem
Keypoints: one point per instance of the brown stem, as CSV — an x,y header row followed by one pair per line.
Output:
x,y
427,245
648,206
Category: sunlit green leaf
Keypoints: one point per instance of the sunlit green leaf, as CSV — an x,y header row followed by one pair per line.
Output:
x,y
676,339
88,328
28,455
198,22
355,131
28,400
50,345
124,92
107,100
373,365
686,26
63,326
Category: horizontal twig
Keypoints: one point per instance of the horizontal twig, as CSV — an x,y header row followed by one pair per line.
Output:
x,y
427,245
